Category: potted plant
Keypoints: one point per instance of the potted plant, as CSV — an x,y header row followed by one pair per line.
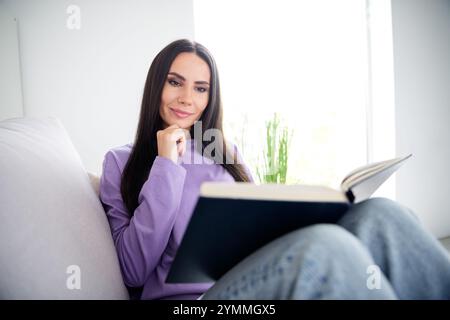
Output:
x,y
274,164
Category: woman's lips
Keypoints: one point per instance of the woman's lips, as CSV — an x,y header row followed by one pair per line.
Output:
x,y
180,114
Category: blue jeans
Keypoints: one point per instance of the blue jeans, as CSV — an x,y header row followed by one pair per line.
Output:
x,y
378,250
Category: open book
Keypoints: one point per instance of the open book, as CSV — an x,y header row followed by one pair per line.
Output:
x,y
232,220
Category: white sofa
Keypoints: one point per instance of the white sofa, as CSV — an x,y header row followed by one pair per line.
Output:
x,y
55,241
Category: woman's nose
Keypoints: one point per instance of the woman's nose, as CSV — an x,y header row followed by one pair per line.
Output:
x,y
185,97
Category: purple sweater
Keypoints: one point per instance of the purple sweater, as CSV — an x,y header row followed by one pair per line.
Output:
x,y
146,244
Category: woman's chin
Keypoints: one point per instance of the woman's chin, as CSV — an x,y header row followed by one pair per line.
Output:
x,y
182,124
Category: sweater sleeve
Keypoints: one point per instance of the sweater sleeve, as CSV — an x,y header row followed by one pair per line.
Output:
x,y
141,240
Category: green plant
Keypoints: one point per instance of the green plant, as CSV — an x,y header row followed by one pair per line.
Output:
x,y
275,156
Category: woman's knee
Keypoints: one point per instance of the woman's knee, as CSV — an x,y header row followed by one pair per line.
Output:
x,y
323,238
384,204
381,210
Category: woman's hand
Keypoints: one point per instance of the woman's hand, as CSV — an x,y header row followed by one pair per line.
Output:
x,y
172,142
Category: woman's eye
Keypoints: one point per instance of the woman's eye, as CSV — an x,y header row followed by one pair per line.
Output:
x,y
173,82
201,89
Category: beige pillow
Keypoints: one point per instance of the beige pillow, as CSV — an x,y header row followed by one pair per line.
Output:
x,y
55,241
95,182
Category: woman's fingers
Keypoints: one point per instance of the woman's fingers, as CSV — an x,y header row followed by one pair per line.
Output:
x,y
172,142
181,148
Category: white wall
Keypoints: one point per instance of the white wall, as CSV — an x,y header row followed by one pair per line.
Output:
x,y
421,30
93,78
10,79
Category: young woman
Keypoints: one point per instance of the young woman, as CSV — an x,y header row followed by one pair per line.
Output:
x,y
149,189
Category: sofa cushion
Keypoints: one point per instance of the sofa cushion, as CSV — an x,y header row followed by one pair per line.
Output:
x,y
55,241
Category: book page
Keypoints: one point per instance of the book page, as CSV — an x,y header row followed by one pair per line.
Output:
x,y
274,192
362,173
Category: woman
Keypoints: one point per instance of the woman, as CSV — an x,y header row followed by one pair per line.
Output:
x,y
149,190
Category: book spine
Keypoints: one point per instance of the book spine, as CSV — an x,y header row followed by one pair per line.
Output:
x,y
350,196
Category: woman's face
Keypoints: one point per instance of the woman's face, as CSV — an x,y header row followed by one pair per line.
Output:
x,y
186,91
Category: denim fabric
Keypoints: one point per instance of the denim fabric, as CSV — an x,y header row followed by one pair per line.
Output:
x,y
378,250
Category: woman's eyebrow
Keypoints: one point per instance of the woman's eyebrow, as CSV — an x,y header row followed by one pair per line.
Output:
x,y
184,79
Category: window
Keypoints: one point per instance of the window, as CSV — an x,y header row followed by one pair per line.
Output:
x,y
307,60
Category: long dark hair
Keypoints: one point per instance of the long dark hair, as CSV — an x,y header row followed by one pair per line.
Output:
x,y
145,148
